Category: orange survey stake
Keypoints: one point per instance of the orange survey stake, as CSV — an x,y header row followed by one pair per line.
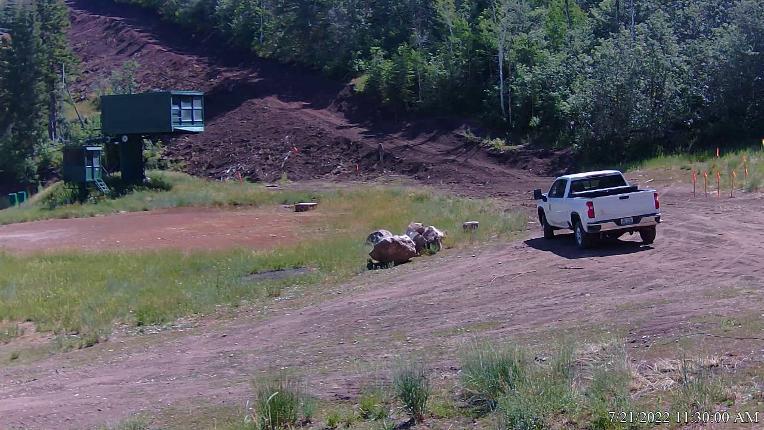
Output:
x,y
732,189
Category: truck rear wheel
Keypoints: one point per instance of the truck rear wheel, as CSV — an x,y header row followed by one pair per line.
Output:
x,y
648,235
548,229
583,239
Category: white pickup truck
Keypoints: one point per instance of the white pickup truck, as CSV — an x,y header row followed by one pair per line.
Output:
x,y
598,204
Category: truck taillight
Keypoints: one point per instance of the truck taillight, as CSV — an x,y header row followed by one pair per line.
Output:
x,y
590,207
657,201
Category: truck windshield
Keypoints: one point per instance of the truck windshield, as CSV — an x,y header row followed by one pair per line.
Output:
x,y
597,183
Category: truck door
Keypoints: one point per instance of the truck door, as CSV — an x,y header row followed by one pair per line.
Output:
x,y
555,203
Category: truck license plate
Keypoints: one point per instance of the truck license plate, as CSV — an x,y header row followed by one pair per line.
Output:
x,y
627,221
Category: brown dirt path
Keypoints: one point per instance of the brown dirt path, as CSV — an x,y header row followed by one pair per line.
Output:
x,y
179,228
707,263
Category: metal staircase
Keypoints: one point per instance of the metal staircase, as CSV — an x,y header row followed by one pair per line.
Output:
x,y
102,185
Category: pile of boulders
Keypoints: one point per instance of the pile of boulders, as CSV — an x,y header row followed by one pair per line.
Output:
x,y
396,249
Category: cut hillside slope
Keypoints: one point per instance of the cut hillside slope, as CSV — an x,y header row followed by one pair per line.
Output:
x,y
259,111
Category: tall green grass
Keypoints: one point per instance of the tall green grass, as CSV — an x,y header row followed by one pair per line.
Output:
x,y
579,389
708,162
279,402
412,388
184,190
85,293
489,372
547,392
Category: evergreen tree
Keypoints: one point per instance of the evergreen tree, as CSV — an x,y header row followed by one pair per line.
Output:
x,y
56,59
24,86
34,53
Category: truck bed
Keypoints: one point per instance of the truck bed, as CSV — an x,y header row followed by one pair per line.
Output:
x,y
606,192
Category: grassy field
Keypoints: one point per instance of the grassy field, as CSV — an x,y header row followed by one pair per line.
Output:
x,y
85,294
166,190
735,161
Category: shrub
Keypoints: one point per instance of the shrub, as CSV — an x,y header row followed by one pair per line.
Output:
x,y
754,183
308,408
699,390
608,392
412,388
130,424
277,402
371,406
333,419
545,392
536,401
489,372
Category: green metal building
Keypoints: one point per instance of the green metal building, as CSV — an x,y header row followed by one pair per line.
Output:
x,y
152,113
82,165
130,118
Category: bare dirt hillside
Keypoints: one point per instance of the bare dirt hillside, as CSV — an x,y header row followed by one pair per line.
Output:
x,y
706,267
258,111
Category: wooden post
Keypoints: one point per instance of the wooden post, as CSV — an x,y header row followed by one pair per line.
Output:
x,y
732,188
705,183
718,184
694,181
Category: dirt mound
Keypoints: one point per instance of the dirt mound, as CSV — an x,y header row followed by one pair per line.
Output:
x,y
265,118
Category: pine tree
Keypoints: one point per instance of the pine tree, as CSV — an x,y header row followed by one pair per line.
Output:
x,y
56,58
24,96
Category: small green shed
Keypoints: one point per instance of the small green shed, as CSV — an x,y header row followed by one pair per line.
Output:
x,y
158,112
82,164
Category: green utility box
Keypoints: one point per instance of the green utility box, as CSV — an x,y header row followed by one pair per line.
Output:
x,y
82,164
16,199
152,113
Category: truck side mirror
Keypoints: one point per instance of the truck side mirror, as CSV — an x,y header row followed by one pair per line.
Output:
x,y
537,195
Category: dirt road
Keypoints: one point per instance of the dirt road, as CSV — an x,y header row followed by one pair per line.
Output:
x,y
706,265
181,228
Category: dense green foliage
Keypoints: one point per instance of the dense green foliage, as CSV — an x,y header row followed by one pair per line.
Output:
x,y
34,53
633,77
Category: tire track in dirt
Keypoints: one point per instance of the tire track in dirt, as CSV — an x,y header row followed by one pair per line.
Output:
x,y
707,262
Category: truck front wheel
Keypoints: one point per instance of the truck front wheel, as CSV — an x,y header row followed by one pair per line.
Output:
x,y
648,235
583,239
548,229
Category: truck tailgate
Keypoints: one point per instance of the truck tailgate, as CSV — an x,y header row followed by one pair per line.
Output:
x,y
624,205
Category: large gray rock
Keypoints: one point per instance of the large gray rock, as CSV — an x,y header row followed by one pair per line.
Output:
x,y
433,238
414,227
394,249
376,236
420,243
